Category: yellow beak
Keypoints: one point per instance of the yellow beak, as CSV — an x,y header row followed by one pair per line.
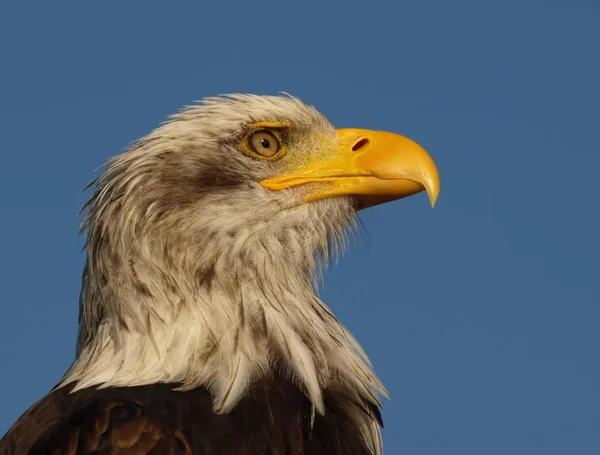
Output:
x,y
374,166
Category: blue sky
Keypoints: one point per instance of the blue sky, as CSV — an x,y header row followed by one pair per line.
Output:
x,y
481,315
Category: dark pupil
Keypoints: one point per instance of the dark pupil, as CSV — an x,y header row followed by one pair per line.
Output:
x,y
265,143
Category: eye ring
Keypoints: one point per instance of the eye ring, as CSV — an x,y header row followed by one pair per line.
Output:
x,y
264,144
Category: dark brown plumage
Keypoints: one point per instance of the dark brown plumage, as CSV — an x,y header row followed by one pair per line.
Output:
x,y
274,418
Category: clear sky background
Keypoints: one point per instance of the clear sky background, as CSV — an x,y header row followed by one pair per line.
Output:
x,y
481,316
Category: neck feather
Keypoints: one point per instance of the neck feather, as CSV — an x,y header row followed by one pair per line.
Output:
x,y
159,312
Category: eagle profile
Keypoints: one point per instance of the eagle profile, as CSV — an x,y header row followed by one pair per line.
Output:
x,y
200,330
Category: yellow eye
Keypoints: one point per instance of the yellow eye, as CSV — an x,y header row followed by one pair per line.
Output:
x,y
263,143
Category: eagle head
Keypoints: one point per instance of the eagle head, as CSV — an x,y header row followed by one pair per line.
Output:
x,y
204,239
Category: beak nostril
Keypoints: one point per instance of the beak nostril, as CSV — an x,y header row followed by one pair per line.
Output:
x,y
360,144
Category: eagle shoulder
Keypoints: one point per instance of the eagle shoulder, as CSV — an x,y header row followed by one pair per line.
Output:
x,y
275,417
93,422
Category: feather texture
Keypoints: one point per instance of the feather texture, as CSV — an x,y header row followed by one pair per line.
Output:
x,y
199,278
273,418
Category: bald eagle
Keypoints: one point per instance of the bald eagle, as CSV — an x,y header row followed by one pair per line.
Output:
x,y
200,329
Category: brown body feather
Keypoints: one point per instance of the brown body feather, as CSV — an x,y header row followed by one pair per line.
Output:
x,y
275,418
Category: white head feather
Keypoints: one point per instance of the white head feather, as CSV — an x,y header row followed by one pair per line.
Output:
x,y
197,275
